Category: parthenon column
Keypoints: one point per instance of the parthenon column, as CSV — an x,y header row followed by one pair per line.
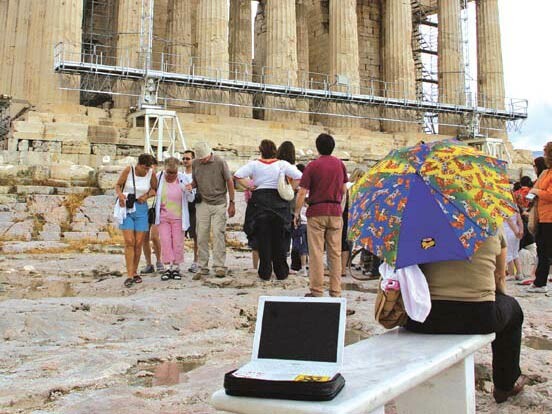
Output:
x,y
128,45
241,55
451,63
398,62
344,60
212,51
180,46
490,72
302,17
281,56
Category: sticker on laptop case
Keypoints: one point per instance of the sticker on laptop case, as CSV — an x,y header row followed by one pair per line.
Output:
x,y
311,378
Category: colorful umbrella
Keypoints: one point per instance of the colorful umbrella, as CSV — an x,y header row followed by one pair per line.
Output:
x,y
428,203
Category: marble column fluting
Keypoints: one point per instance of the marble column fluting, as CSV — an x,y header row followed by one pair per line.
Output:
x,y
180,45
302,34
451,69
398,63
490,71
241,55
128,45
212,51
281,56
344,57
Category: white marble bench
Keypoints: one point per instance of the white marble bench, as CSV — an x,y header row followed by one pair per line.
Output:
x,y
424,374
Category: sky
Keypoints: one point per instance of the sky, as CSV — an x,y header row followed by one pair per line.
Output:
x,y
526,27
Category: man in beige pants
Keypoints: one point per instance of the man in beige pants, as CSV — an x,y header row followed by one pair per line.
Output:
x,y
325,180
212,179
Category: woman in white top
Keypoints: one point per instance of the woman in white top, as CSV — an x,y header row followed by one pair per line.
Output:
x,y
268,216
134,186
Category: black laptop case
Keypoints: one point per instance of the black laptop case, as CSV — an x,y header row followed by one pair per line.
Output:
x,y
285,390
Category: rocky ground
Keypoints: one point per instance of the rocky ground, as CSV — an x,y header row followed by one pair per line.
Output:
x,y
73,340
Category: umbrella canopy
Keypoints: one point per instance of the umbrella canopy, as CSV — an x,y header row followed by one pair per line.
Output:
x,y
428,203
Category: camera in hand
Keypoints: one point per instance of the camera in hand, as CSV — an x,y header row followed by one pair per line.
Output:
x,y
530,196
130,200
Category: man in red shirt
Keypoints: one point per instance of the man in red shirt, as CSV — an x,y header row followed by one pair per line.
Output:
x,y
324,180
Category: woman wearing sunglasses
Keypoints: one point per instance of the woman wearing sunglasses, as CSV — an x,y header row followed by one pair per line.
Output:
x,y
172,216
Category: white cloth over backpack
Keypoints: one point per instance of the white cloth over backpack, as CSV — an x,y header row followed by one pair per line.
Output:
x,y
285,190
414,289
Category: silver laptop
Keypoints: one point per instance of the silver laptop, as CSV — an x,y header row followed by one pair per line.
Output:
x,y
297,339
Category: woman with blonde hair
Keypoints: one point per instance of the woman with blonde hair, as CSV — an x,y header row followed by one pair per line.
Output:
x,y
172,216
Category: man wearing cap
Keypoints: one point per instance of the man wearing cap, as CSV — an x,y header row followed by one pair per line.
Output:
x,y
212,179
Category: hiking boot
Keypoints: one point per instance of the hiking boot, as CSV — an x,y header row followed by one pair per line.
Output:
x,y
193,268
500,395
159,266
147,269
537,289
220,272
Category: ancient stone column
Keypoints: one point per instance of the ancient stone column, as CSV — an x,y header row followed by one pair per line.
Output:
x,y
451,63
398,62
490,72
128,46
240,49
212,51
344,59
180,45
281,56
302,33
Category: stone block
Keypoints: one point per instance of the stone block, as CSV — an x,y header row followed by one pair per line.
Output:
x,y
92,112
76,190
19,231
78,235
89,159
51,208
51,228
22,247
104,149
28,130
66,131
99,134
23,145
85,226
49,236
5,189
34,158
75,147
103,236
34,189
73,173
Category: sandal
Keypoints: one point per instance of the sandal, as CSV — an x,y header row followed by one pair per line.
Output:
x,y
137,279
166,275
129,282
175,274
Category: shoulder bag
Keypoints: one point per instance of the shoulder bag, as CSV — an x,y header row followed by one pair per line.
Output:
x,y
285,190
389,308
151,210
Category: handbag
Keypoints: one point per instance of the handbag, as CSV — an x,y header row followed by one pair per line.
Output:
x,y
131,197
389,308
285,190
151,210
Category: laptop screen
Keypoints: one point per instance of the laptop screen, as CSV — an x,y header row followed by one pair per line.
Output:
x,y
303,331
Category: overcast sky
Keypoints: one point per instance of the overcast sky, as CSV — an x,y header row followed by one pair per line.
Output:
x,y
527,53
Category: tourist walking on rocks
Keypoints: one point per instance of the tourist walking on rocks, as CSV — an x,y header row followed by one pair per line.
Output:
x,y
187,160
213,181
268,216
152,238
133,188
543,192
171,214
469,297
325,180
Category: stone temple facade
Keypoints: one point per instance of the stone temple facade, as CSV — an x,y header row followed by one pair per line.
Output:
x,y
352,45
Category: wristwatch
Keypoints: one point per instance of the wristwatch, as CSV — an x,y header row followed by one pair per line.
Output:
x,y
231,201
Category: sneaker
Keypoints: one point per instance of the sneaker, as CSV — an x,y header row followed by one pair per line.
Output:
x,y
159,266
303,272
204,271
220,272
537,289
519,277
167,274
147,269
175,274
193,268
